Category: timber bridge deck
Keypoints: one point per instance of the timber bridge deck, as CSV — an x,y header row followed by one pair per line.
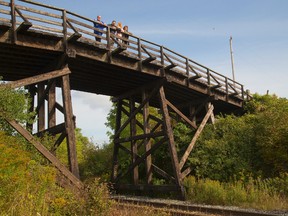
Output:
x,y
38,42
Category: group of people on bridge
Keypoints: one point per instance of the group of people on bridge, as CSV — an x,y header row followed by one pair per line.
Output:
x,y
116,30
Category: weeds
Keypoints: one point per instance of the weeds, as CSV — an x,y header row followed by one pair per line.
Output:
x,y
269,194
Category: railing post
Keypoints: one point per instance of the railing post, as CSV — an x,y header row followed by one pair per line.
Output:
x,y
226,88
187,71
139,53
108,37
64,17
162,60
208,81
242,92
13,19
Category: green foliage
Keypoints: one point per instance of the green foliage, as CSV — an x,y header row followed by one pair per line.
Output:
x,y
29,188
249,193
98,202
254,143
13,105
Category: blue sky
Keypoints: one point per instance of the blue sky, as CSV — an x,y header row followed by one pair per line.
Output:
x,y
199,30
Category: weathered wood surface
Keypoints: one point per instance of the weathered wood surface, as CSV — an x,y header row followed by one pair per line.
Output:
x,y
45,152
76,34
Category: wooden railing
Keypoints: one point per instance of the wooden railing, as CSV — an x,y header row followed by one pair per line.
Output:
x,y
71,27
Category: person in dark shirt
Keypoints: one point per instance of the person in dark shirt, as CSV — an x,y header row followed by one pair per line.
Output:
x,y
99,25
125,35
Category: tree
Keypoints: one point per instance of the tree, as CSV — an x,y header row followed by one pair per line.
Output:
x,y
13,105
255,143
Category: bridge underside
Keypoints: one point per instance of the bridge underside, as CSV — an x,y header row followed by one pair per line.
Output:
x,y
42,61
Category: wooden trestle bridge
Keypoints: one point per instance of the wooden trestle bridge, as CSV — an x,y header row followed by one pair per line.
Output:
x,y
43,47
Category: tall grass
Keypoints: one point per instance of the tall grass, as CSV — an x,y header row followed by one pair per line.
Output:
x,y
269,194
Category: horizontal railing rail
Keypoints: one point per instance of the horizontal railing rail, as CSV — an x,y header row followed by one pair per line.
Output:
x,y
70,26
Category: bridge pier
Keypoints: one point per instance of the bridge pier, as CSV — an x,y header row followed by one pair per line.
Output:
x,y
141,132
44,86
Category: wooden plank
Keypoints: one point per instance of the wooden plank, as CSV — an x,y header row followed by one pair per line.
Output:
x,y
195,137
142,187
39,78
147,142
114,173
74,37
134,148
171,142
52,105
185,172
139,137
142,158
41,106
58,142
52,130
154,91
150,85
192,124
55,161
69,124
163,173
148,60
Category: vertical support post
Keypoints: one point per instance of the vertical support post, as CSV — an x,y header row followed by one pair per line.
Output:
x,y
51,105
116,145
41,112
69,124
147,142
134,147
64,17
32,93
192,110
13,19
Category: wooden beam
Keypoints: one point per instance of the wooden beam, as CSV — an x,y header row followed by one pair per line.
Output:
x,y
39,78
185,172
150,85
58,142
195,137
134,148
140,137
142,158
148,60
41,107
171,142
192,124
147,141
45,152
52,130
115,162
69,124
24,26
154,91
163,173
74,37
52,105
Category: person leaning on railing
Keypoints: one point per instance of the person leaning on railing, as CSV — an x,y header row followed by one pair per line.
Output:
x,y
98,24
125,35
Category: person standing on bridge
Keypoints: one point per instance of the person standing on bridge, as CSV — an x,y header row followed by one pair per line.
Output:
x,y
125,35
113,27
99,25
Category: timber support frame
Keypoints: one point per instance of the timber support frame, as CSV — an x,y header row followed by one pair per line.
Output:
x,y
44,87
141,131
